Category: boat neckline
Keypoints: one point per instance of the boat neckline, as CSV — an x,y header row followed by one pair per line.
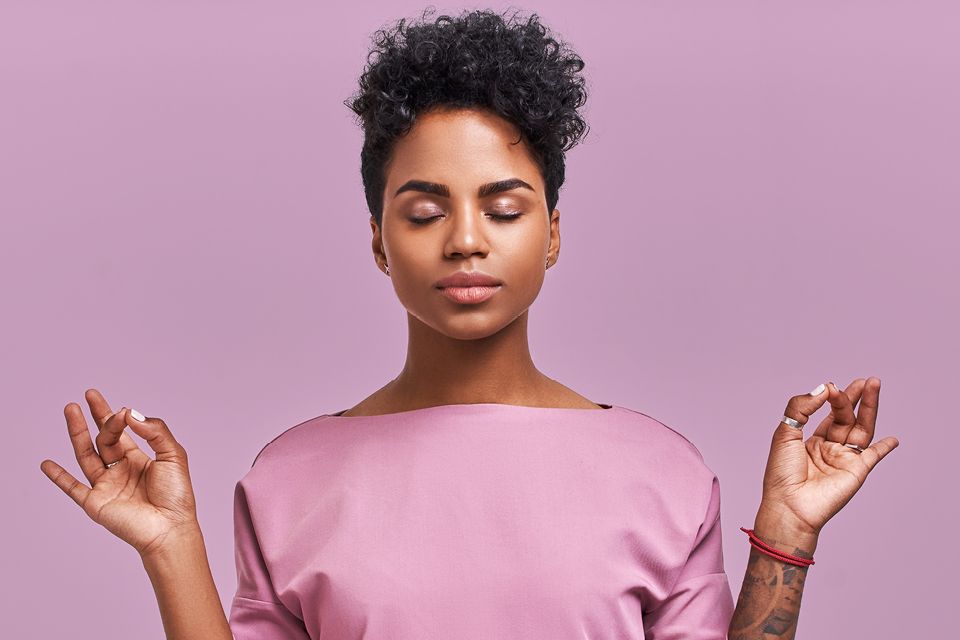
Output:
x,y
467,406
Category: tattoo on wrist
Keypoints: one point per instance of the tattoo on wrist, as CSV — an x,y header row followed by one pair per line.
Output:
x,y
769,601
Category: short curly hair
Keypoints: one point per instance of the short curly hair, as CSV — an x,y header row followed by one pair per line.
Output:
x,y
479,59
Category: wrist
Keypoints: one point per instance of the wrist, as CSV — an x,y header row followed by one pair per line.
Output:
x,y
180,542
785,532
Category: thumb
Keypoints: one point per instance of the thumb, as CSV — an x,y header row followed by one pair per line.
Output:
x,y
157,434
798,410
878,450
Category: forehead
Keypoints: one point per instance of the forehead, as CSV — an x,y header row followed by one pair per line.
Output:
x,y
461,148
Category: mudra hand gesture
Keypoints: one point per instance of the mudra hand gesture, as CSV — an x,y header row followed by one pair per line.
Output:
x,y
139,499
808,481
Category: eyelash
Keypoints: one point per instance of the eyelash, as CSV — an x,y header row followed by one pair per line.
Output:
x,y
498,216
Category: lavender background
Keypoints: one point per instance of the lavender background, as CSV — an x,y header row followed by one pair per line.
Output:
x,y
767,200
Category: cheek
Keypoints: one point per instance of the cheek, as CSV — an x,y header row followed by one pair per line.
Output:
x,y
525,256
415,272
414,257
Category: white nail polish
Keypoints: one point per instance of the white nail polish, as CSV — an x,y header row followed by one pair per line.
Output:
x,y
818,390
137,415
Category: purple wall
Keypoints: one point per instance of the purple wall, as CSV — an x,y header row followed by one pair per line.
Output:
x,y
767,200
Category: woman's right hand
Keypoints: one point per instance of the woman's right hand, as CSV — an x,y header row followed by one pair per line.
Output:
x,y
143,501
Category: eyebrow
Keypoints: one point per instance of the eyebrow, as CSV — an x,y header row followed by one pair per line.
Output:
x,y
443,190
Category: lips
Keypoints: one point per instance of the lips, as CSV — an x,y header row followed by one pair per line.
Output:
x,y
468,279
469,295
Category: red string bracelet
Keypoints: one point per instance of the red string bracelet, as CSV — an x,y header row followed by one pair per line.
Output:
x,y
776,553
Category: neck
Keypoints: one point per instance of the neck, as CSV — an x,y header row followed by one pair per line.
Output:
x,y
444,370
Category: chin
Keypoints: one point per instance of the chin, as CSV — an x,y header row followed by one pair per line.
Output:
x,y
474,328
473,325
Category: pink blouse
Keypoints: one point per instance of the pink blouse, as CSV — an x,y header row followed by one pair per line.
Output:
x,y
480,521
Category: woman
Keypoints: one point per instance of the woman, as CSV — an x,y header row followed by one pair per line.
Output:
x,y
472,495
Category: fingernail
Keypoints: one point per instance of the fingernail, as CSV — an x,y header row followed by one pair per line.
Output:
x,y
137,415
835,386
818,390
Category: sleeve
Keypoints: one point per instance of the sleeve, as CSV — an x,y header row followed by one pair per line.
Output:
x,y
256,612
700,604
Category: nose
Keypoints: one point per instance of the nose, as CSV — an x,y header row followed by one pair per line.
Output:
x,y
465,234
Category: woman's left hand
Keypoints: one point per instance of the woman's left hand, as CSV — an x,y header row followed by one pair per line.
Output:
x,y
807,482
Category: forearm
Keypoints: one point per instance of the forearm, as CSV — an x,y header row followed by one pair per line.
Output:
x,y
190,606
769,601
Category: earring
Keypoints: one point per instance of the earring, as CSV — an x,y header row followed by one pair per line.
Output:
x,y
547,266
386,268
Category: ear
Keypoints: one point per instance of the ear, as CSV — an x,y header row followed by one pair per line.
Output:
x,y
553,250
377,244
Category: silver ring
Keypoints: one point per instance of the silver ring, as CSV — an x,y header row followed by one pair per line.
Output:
x,y
855,447
790,421
113,463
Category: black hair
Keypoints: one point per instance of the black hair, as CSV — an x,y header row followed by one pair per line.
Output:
x,y
479,59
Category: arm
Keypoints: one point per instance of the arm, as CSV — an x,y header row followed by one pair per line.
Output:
x,y
190,606
256,612
805,484
149,504
700,603
769,601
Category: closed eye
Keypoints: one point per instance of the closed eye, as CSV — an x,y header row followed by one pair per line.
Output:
x,y
496,216
424,220
507,216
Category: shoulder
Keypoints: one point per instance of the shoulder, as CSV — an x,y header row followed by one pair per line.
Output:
x,y
667,448
286,440
663,434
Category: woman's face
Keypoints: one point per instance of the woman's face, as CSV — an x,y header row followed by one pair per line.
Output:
x,y
444,213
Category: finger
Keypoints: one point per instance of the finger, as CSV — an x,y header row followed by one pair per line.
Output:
x,y
843,417
876,452
853,393
800,408
101,412
108,440
158,436
90,462
869,404
62,478
861,434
